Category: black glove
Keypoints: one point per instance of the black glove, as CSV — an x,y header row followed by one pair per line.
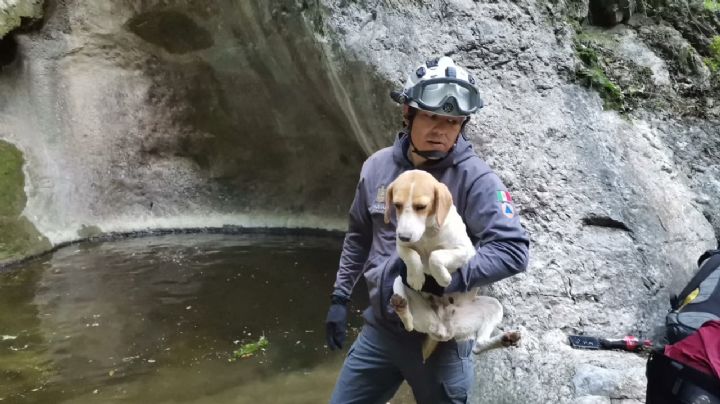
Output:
x,y
336,323
431,285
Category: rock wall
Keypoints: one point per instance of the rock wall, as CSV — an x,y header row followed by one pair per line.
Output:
x,y
616,212
136,115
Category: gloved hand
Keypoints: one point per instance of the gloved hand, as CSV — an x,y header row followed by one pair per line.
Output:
x,y
336,323
431,286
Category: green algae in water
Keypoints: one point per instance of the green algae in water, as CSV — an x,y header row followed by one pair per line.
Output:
x,y
250,349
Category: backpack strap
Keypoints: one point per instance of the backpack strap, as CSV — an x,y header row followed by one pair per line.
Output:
x,y
708,262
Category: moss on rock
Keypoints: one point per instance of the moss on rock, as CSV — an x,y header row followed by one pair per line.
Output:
x,y
592,73
12,13
18,237
713,61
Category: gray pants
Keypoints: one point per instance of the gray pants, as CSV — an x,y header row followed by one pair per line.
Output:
x,y
379,361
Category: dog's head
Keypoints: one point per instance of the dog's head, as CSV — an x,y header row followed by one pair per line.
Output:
x,y
420,201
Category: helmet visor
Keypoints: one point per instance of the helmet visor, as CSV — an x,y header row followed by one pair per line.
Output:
x,y
435,94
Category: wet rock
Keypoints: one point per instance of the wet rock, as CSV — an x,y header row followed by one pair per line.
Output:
x,y
173,31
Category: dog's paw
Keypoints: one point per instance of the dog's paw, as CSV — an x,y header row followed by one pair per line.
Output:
x,y
398,303
443,278
510,338
416,281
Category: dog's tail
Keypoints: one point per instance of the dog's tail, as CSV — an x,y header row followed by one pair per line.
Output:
x,y
428,347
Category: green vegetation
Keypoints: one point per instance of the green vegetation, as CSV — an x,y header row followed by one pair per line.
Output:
x,y
18,237
593,76
712,5
250,349
713,61
12,197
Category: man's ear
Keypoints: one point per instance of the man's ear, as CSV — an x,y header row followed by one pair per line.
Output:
x,y
443,202
388,202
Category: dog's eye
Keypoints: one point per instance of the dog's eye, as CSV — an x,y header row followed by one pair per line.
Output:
x,y
419,207
398,206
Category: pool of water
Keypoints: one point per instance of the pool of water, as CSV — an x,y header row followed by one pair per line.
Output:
x,y
156,320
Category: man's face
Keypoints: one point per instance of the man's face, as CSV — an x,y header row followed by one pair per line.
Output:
x,y
435,132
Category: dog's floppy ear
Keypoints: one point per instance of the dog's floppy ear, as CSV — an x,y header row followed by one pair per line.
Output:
x,y
388,202
443,202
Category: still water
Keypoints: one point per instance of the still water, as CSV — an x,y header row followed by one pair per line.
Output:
x,y
156,320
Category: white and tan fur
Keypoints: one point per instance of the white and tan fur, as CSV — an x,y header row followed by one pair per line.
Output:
x,y
432,239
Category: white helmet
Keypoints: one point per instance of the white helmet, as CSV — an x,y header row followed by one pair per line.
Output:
x,y
442,87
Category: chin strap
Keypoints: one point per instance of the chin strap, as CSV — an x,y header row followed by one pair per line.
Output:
x,y
434,155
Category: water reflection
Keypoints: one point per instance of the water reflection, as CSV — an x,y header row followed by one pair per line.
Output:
x,y
156,320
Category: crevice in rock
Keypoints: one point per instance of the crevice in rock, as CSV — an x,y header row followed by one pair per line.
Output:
x,y
172,30
8,50
605,221
608,13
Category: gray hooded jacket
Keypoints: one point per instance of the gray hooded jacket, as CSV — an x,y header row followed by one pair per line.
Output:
x,y
481,200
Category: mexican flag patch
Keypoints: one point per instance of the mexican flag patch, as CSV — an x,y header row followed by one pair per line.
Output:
x,y
504,196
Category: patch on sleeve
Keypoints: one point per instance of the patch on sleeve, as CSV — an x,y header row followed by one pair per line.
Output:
x,y
504,196
505,201
378,206
380,197
507,210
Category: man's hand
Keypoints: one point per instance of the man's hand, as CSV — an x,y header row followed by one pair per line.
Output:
x,y
336,323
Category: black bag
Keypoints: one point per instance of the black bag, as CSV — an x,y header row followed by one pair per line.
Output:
x,y
671,382
698,302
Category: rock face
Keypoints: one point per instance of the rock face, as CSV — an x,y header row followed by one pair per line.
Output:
x,y
149,114
616,214
136,115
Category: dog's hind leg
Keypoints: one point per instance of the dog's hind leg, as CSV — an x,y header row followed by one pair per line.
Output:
x,y
492,314
504,340
399,303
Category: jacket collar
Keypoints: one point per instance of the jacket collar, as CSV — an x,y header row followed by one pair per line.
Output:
x,y
461,151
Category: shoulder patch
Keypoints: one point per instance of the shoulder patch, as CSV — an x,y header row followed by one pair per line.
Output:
x,y
504,196
507,210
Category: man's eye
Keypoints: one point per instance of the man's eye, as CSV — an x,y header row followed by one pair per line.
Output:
x,y
419,207
398,206
453,122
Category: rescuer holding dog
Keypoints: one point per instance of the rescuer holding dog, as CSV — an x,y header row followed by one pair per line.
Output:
x,y
437,100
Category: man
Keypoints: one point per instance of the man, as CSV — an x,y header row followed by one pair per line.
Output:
x,y
438,99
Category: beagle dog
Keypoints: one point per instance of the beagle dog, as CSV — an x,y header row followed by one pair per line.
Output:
x,y
431,238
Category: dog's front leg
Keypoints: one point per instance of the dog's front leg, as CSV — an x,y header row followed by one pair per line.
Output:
x,y
441,262
414,265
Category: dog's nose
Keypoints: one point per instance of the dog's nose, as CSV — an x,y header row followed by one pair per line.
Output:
x,y
404,238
